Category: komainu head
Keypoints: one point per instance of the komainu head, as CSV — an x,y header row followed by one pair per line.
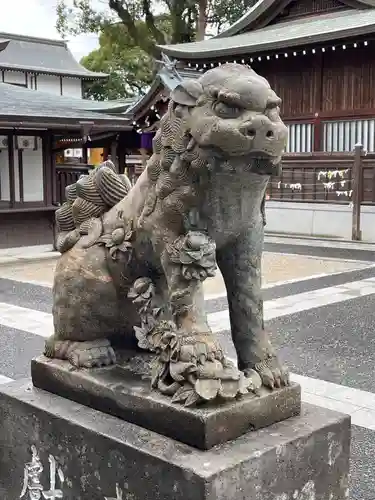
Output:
x,y
231,111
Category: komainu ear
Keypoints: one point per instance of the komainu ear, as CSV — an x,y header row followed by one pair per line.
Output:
x,y
187,93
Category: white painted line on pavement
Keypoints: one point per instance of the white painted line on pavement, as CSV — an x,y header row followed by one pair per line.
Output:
x,y
219,295
28,320
291,304
5,380
360,405
316,242
40,323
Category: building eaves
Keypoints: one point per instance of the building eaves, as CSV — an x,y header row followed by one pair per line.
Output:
x,y
268,10
166,79
20,104
41,55
259,9
304,31
3,44
111,107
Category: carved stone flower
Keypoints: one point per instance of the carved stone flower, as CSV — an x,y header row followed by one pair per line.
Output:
x,y
141,294
120,240
196,252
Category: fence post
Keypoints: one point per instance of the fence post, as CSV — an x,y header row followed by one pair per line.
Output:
x,y
357,192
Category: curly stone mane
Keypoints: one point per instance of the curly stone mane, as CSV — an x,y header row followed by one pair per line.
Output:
x,y
78,219
176,160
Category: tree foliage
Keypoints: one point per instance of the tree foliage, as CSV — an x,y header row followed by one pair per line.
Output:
x,y
131,30
130,69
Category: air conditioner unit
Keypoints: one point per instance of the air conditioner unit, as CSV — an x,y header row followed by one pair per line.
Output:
x,y
4,142
27,142
77,153
68,153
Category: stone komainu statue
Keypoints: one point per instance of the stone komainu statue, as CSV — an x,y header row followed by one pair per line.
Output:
x,y
134,258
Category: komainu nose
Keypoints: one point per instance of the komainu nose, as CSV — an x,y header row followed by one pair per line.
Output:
x,y
263,129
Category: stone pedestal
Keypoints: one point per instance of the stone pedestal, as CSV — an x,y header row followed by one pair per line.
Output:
x,y
90,455
124,390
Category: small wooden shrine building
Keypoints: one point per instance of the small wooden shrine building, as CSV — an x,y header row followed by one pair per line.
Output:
x,y
42,114
319,56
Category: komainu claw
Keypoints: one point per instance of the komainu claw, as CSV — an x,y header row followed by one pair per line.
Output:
x,y
272,373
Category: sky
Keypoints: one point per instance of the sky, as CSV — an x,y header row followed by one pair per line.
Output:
x,y
38,18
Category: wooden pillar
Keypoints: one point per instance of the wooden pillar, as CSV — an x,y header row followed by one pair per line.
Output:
x,y
48,168
318,134
85,155
12,194
114,154
357,192
20,175
121,149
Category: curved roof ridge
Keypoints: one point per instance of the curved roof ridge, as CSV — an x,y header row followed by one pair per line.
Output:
x,y
32,39
41,55
262,6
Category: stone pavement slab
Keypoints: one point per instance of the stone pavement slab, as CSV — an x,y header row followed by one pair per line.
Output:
x,y
277,267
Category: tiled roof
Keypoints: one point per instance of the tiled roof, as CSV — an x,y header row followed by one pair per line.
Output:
x,y
21,104
41,55
110,107
266,10
314,29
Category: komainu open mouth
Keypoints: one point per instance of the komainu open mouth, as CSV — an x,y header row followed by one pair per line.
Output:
x,y
264,166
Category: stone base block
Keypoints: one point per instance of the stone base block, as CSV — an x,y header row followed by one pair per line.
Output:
x,y
124,390
90,455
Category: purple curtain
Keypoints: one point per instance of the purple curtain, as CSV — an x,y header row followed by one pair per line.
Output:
x,y
146,140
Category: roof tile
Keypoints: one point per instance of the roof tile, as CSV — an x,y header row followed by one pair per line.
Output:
x,y
314,29
41,55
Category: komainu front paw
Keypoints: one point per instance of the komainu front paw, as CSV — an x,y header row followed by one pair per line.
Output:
x,y
88,354
193,369
272,373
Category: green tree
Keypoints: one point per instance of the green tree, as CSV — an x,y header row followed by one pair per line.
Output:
x,y
130,69
224,13
131,30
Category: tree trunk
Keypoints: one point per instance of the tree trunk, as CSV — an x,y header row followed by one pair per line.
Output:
x,y
202,19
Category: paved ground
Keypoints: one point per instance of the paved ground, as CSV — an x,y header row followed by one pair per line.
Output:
x,y
276,268
323,325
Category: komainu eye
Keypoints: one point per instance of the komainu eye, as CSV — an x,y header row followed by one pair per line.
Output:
x,y
226,111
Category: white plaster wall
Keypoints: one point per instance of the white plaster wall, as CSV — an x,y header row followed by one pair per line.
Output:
x,y
72,87
315,219
4,175
33,173
49,84
14,77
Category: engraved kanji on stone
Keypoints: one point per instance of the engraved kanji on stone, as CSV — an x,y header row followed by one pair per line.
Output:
x,y
32,479
119,494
